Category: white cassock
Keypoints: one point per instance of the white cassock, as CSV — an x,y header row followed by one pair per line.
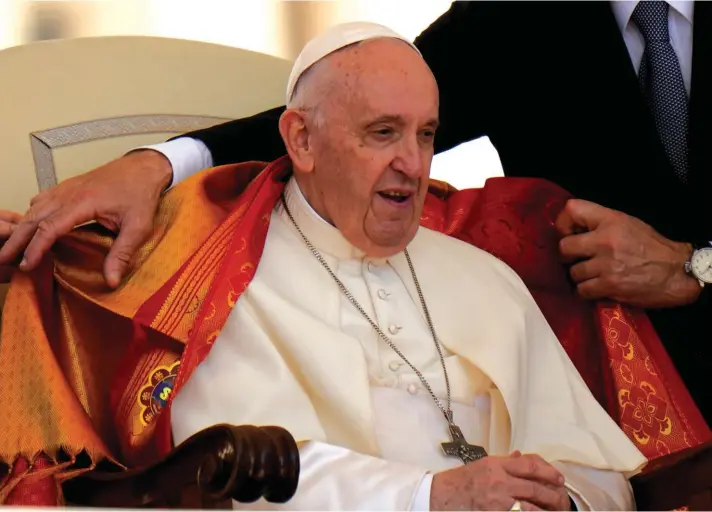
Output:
x,y
294,352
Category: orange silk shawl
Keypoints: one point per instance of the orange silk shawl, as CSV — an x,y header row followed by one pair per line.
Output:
x,y
87,374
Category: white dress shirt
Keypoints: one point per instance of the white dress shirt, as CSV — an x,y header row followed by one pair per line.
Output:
x,y
189,156
679,25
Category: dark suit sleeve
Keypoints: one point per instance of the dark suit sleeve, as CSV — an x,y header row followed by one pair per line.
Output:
x,y
458,48
250,138
448,45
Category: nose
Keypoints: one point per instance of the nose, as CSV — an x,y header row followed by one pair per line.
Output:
x,y
409,158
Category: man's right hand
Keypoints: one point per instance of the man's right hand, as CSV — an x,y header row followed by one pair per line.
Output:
x,y
495,483
122,195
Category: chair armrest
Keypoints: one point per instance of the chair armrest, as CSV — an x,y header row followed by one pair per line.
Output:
x,y
681,479
223,462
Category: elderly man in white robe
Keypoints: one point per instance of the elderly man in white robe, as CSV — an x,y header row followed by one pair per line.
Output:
x,y
415,371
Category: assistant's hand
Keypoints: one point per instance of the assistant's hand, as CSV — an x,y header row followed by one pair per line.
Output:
x,y
495,483
122,195
8,223
616,256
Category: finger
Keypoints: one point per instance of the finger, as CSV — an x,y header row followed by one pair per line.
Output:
x,y
529,506
594,289
10,217
587,269
524,505
536,493
131,236
49,229
579,215
577,247
6,229
8,223
532,467
21,236
564,503
565,224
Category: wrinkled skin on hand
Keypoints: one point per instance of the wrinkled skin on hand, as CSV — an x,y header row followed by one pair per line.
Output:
x,y
495,483
8,223
618,257
122,195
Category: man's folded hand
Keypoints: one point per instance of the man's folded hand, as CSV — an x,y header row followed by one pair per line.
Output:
x,y
496,483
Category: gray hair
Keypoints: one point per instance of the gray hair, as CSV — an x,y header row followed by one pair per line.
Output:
x,y
306,93
309,90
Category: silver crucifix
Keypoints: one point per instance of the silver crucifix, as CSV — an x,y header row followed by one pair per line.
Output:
x,y
459,447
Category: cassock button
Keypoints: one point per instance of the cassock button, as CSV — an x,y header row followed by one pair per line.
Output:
x,y
383,294
412,389
394,365
393,328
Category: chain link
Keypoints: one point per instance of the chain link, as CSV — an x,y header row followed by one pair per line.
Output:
x,y
447,411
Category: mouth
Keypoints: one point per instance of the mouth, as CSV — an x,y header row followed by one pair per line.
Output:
x,y
396,197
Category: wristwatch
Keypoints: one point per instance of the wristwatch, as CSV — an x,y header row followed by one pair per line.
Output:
x,y
699,265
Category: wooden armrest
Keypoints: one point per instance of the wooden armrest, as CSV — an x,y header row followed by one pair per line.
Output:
x,y
224,462
681,479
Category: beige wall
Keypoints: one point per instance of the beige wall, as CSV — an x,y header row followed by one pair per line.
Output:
x,y
274,27
8,22
304,20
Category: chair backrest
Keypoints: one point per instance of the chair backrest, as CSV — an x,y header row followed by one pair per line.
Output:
x,y
70,105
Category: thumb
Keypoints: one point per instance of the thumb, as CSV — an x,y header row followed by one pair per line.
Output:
x,y
579,216
131,237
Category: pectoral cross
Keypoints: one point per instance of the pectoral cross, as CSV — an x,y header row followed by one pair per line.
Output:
x,y
459,447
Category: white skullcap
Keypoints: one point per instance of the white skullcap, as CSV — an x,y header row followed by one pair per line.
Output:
x,y
333,39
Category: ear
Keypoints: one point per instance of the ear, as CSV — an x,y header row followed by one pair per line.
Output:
x,y
295,134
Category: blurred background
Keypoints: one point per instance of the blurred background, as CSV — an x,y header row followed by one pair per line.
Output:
x,y
274,27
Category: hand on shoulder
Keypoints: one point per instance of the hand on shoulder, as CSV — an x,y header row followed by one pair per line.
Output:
x,y
122,195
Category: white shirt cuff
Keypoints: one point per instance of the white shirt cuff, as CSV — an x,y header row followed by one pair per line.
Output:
x,y
186,155
336,478
421,500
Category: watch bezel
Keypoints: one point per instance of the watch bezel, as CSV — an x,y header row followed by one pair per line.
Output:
x,y
695,253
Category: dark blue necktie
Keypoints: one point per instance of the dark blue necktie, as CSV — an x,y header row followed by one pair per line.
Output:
x,y
662,83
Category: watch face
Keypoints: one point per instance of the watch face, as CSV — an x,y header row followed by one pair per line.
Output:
x,y
701,264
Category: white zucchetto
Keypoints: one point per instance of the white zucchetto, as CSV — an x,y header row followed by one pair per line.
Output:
x,y
335,38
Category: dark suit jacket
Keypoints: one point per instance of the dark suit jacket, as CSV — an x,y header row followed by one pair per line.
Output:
x,y
552,85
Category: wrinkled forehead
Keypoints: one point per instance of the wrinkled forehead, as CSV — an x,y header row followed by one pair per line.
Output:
x,y
335,38
384,77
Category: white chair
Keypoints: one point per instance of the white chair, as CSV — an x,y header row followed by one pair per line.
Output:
x,y
70,105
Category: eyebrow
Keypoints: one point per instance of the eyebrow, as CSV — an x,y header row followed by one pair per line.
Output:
x,y
396,119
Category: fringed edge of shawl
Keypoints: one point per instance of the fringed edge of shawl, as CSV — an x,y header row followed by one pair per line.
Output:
x,y
63,466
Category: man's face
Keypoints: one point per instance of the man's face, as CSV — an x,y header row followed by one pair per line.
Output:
x,y
373,149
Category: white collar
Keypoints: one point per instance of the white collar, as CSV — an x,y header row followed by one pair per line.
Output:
x,y
623,10
323,236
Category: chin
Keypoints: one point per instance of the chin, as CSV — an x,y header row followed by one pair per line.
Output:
x,y
389,240
379,251
385,248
